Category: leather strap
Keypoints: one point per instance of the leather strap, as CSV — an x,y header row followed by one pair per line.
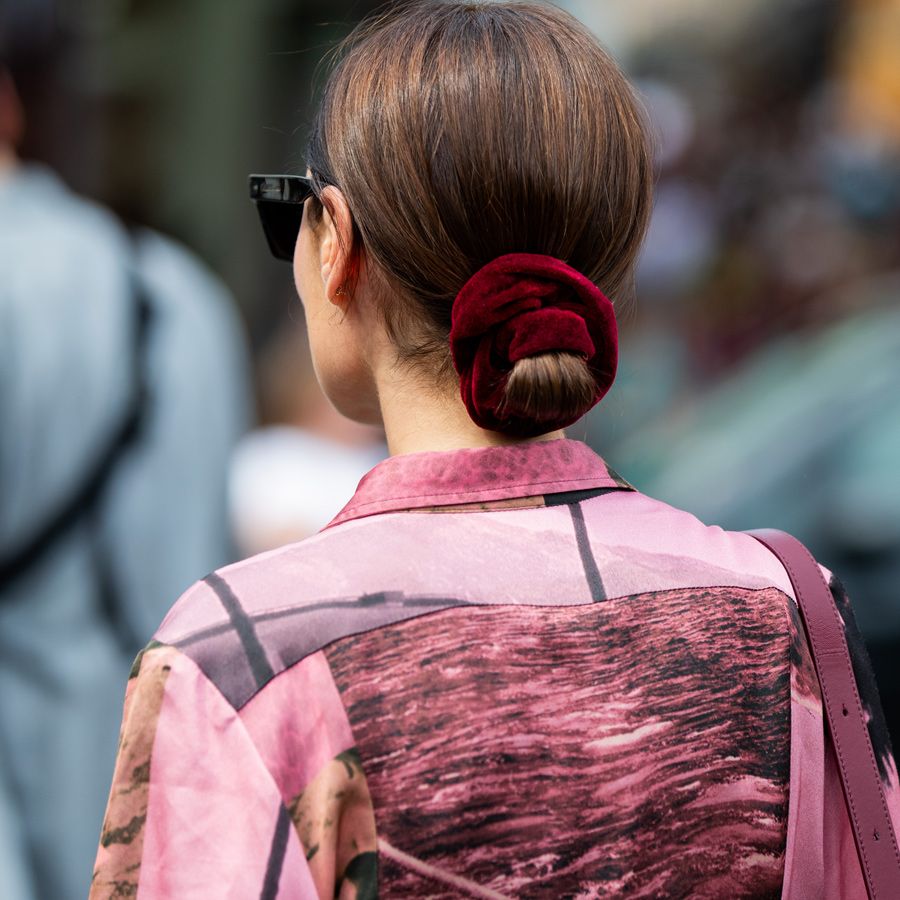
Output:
x,y
873,830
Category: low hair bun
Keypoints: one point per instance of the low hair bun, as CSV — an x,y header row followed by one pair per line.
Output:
x,y
534,343
544,390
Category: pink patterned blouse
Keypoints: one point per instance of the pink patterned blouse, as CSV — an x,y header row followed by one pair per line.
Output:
x,y
498,673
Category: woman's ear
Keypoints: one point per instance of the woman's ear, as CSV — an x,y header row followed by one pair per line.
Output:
x,y
337,255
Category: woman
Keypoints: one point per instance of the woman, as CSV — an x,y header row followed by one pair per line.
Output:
x,y
500,671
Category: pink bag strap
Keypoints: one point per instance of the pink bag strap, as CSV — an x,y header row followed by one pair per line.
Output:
x,y
863,790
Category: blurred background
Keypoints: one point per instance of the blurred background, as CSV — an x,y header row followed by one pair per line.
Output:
x,y
760,374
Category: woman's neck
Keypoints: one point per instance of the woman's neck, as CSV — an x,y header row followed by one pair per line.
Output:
x,y
418,418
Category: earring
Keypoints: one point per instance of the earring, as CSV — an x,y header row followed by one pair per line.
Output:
x,y
340,290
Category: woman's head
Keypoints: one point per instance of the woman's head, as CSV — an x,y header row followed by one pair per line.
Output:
x,y
460,132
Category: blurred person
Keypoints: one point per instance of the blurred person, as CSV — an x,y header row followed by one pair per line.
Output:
x,y
500,671
17,881
121,396
290,476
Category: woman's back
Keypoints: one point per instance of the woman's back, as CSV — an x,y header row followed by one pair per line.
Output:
x,y
503,673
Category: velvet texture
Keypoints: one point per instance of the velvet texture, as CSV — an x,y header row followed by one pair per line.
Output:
x,y
520,305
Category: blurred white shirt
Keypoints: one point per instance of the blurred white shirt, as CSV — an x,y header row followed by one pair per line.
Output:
x,y
287,483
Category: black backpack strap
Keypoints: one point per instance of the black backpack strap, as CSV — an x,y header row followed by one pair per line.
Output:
x,y
84,499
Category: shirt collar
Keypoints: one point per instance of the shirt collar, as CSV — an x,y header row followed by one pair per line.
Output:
x,y
482,475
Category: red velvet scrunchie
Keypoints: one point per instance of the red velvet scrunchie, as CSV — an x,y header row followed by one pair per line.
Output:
x,y
525,304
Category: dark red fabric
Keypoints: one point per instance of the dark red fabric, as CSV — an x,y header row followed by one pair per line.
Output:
x,y
520,305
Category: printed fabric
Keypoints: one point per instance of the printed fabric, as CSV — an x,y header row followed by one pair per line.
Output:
x,y
498,673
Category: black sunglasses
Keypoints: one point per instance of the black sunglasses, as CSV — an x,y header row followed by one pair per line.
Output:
x,y
279,200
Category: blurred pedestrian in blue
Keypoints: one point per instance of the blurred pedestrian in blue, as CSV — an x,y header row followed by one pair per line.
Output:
x,y
122,393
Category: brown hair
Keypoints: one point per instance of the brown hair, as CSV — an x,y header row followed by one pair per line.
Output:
x,y
462,131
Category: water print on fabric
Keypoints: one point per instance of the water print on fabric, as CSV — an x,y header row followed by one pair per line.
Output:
x,y
475,785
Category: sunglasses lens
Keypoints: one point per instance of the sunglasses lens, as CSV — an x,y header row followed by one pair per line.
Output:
x,y
281,223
